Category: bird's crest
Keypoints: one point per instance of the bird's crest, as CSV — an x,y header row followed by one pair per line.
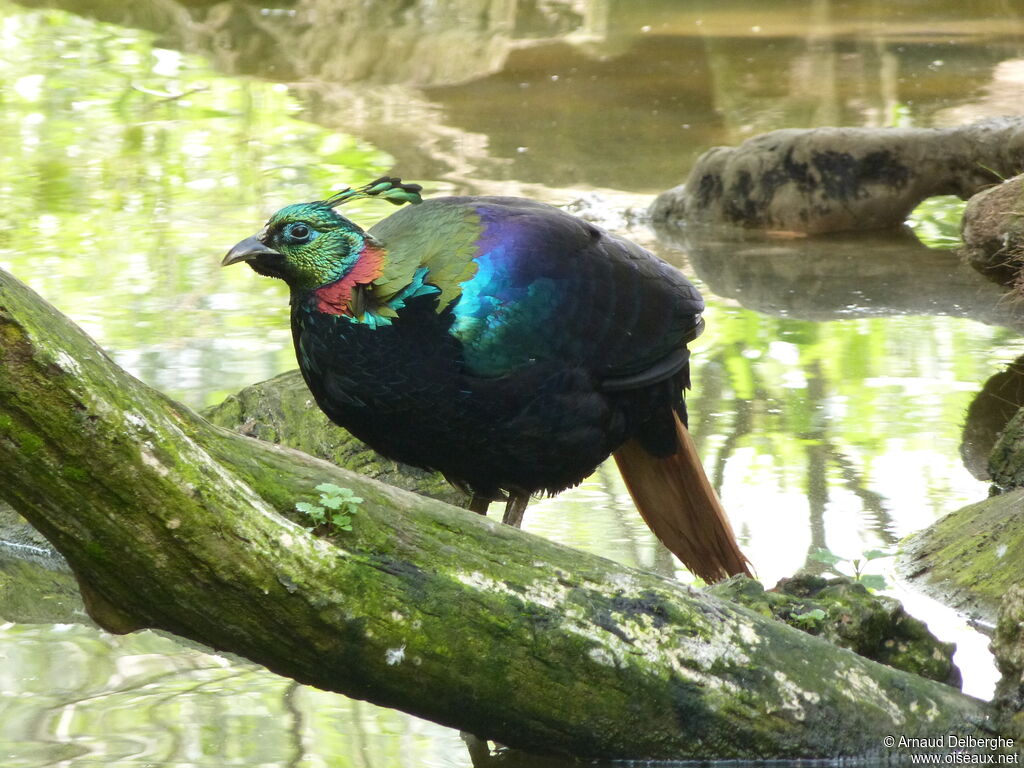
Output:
x,y
385,188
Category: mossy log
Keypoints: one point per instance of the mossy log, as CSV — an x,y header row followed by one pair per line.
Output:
x,y
842,179
971,557
170,522
36,585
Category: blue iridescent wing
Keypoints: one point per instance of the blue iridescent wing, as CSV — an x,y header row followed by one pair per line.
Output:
x,y
551,286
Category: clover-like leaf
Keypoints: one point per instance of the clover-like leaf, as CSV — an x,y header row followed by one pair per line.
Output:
x,y
332,489
823,555
874,581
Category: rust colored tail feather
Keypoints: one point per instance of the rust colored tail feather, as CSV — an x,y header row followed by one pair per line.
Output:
x,y
676,500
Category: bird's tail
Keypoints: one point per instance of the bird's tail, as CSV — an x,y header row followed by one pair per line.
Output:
x,y
679,505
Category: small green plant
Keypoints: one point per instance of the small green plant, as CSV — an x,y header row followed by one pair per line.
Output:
x,y
858,566
809,620
335,508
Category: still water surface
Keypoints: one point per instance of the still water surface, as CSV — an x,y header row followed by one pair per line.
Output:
x,y
830,390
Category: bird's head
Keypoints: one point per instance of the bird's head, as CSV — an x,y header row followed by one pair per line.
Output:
x,y
307,245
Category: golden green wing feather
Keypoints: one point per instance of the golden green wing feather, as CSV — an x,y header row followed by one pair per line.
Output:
x,y
440,238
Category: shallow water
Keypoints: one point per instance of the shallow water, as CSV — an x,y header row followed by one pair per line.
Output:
x,y
830,389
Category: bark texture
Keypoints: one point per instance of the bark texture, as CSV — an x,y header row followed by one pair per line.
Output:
x,y
840,179
170,522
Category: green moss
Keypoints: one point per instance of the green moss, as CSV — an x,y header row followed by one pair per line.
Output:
x,y
76,474
28,443
843,612
95,551
628,665
964,557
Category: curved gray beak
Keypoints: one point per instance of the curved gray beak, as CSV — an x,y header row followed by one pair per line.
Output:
x,y
247,250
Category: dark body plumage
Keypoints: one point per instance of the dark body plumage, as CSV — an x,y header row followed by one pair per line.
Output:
x,y
505,343
543,413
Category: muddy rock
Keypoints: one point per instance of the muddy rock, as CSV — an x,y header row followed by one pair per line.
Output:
x,y
993,231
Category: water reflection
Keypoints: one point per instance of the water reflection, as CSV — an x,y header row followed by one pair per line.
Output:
x,y
129,160
78,695
614,93
841,276
988,414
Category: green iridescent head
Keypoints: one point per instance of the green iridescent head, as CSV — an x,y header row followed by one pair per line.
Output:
x,y
307,245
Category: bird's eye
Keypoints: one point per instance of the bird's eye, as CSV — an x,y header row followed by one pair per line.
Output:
x,y
298,233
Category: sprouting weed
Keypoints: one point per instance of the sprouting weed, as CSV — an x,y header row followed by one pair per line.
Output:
x,y
809,620
858,565
334,510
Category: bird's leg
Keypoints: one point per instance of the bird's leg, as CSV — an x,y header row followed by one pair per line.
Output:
x,y
515,508
479,504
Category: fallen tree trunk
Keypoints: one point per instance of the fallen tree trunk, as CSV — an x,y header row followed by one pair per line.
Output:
x,y
170,522
842,179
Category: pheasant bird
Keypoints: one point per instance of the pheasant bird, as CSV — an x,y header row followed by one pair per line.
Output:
x,y
505,343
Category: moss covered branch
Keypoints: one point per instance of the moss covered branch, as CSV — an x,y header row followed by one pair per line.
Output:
x,y
170,522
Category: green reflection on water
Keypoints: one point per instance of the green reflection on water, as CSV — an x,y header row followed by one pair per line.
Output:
x,y
936,221
127,172
845,434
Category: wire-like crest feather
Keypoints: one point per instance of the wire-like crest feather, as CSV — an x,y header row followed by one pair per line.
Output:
x,y
388,188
